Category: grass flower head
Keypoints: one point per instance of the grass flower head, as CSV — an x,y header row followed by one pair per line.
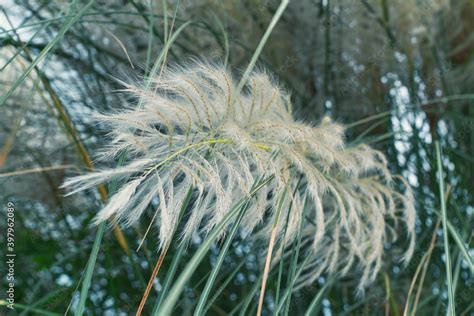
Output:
x,y
194,132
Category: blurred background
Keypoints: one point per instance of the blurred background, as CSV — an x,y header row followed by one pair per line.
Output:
x,y
398,73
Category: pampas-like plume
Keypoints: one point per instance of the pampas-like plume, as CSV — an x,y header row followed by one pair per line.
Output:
x,y
194,131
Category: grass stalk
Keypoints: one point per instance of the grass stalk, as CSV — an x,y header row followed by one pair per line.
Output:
x,y
423,262
220,260
37,311
150,35
175,292
169,277
261,44
224,284
314,305
87,277
86,283
294,261
156,269
268,259
162,256
451,306
46,50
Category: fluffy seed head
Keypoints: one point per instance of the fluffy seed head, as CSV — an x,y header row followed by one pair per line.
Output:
x,y
194,132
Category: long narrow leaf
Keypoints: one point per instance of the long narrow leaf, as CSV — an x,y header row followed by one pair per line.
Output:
x,y
314,306
451,307
90,269
224,284
45,51
178,287
220,260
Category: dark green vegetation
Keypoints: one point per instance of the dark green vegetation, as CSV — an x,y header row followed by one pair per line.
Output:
x,y
399,74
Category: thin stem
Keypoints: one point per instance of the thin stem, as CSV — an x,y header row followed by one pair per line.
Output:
x,y
159,262
176,290
451,307
269,254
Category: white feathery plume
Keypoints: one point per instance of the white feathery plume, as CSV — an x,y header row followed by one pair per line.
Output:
x,y
195,132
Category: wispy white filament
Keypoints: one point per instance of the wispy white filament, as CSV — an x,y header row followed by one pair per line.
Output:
x,y
193,132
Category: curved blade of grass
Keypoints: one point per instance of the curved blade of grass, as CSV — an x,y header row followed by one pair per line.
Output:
x,y
281,264
21,45
221,289
296,251
248,299
178,286
314,306
49,297
268,260
86,283
169,277
160,59
37,311
90,269
261,44
220,260
225,40
288,289
460,243
45,51
462,246
164,251
451,307
150,34
283,246
92,13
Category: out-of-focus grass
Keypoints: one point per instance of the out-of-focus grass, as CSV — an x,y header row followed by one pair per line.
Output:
x,y
65,46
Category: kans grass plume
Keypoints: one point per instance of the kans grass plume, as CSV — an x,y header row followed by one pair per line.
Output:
x,y
194,132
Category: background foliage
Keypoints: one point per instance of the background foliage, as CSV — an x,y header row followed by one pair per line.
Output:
x,y
398,73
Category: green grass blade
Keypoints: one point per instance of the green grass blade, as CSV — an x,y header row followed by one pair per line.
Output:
x,y
45,51
258,50
283,246
169,277
288,289
294,262
314,306
150,35
451,307
460,243
220,260
159,60
281,264
90,269
250,296
169,40
37,311
86,283
178,286
462,246
22,47
226,282
49,296
176,260
225,40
